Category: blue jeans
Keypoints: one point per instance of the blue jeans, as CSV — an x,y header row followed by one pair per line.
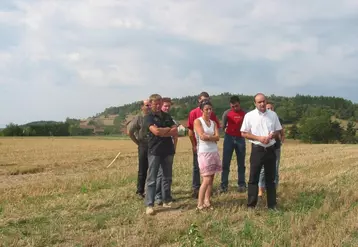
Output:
x,y
158,190
166,163
238,144
262,173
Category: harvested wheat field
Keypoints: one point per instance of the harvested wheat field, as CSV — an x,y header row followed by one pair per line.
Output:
x,y
58,192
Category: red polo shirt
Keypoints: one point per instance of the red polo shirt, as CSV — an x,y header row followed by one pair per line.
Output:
x,y
196,113
232,121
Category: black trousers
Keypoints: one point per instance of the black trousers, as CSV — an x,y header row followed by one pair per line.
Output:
x,y
265,157
142,167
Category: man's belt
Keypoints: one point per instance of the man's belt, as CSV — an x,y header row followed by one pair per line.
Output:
x,y
264,149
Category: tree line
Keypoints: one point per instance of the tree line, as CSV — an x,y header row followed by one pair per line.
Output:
x,y
309,117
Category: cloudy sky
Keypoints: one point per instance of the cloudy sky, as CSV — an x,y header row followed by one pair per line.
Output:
x,y
62,58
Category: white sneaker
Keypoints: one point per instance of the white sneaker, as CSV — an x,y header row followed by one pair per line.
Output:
x,y
149,211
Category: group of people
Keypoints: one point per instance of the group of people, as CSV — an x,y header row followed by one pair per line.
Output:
x,y
156,134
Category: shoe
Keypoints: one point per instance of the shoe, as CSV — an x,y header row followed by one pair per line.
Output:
x,y
169,205
159,202
273,209
241,189
140,196
149,211
208,205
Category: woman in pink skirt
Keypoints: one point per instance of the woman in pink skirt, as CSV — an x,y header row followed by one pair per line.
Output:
x,y
207,135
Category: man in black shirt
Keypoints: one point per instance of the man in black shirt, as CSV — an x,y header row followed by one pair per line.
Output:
x,y
161,129
279,140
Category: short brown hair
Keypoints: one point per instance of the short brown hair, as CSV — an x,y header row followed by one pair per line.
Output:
x,y
167,100
154,97
270,103
203,94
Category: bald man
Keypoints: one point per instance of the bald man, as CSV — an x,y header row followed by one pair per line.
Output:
x,y
261,127
138,133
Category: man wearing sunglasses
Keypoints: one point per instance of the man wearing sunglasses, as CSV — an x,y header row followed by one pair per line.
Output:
x,y
232,120
138,133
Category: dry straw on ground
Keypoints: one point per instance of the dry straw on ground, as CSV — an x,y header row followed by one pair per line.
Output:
x,y
58,192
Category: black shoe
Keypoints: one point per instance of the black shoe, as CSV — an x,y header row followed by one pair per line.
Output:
x,y
140,195
241,189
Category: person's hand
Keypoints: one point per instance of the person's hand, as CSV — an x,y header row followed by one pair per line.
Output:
x,y
264,139
271,135
282,139
194,149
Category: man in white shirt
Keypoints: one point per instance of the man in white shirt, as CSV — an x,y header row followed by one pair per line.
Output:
x,y
261,127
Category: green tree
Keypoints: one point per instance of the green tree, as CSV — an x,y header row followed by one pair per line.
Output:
x,y
319,129
12,130
349,134
293,132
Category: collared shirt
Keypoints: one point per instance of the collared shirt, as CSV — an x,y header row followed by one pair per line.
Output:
x,y
261,124
232,122
157,145
136,127
196,113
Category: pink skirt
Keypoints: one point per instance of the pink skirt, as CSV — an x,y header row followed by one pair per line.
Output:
x,y
209,163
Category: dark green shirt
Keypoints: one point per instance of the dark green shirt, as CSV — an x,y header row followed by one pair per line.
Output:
x,y
159,146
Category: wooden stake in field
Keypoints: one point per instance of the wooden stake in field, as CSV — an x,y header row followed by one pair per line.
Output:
x,y
114,159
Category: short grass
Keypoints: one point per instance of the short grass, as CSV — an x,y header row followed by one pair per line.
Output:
x,y
58,192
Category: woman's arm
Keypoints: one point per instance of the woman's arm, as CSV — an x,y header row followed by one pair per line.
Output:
x,y
216,135
199,129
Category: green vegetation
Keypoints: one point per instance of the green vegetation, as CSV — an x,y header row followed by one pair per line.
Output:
x,y
308,118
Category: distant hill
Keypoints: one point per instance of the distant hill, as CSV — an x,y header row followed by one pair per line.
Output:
x,y
290,109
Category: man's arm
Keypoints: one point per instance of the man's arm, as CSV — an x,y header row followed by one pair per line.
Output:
x,y
172,132
246,132
191,133
224,119
133,126
277,127
149,123
215,119
262,139
282,134
173,129
162,132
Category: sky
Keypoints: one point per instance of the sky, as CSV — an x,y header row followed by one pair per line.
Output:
x,y
65,58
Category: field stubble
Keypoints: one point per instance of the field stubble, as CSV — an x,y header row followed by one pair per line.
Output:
x,y
58,192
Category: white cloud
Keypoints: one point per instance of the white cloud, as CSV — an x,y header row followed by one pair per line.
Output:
x,y
111,52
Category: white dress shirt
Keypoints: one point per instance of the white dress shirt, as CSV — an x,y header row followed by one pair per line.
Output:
x,y
261,124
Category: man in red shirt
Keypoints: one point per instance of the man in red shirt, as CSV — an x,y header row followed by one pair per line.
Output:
x,y
194,114
232,120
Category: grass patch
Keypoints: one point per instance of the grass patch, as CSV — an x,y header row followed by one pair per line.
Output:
x,y
308,201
